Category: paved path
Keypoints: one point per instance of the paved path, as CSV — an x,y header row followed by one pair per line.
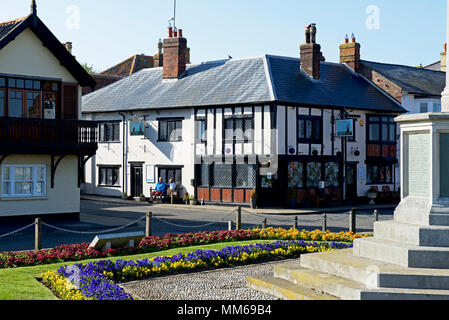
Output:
x,y
101,214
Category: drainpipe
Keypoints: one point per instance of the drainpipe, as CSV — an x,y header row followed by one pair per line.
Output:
x,y
124,142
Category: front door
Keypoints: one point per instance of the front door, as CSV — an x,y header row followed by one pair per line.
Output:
x,y
351,181
136,180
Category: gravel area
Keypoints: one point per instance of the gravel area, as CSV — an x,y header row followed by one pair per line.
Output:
x,y
222,284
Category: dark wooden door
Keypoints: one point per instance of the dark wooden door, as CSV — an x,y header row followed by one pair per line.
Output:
x,y
351,181
136,181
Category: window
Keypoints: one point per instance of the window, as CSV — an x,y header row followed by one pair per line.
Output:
x,y
382,129
222,175
245,176
204,175
313,174
170,130
171,173
239,130
201,130
296,175
2,102
33,105
379,174
23,181
423,107
109,176
15,104
437,107
310,129
332,174
110,132
50,105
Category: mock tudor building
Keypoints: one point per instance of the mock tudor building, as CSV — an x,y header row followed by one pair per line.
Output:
x,y
43,142
223,128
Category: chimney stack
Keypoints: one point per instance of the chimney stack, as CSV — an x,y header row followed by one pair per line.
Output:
x,y
175,54
68,46
443,58
350,54
311,55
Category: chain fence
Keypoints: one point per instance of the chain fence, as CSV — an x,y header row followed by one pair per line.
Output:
x,y
326,220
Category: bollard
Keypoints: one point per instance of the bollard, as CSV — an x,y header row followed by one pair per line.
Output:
x,y
37,234
264,224
238,219
376,215
324,228
295,223
230,225
352,222
148,225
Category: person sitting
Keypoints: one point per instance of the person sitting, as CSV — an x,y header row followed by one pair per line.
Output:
x,y
172,187
161,188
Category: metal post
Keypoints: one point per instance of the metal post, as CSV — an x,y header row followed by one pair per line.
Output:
x,y
264,223
376,215
238,219
352,220
38,234
148,225
324,222
295,223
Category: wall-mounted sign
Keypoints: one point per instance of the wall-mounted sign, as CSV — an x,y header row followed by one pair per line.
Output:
x,y
137,127
345,128
150,170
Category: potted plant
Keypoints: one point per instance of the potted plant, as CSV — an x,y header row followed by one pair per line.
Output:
x,y
372,194
186,198
292,197
142,198
253,197
124,196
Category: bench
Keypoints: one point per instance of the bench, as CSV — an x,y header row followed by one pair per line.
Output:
x,y
113,241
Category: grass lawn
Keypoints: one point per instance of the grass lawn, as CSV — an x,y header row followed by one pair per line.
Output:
x,y
21,283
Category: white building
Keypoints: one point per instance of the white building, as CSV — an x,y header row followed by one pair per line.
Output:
x,y
224,128
43,144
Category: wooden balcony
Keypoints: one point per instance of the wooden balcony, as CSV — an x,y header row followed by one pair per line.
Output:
x,y
54,137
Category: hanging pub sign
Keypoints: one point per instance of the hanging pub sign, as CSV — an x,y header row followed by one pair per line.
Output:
x,y
345,128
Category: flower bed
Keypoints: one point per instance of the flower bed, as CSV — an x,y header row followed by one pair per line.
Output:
x,y
78,252
97,280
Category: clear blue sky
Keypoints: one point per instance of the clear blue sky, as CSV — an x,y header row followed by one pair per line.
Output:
x,y
105,32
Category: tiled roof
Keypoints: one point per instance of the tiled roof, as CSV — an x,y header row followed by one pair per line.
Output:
x,y
130,66
255,80
410,79
6,27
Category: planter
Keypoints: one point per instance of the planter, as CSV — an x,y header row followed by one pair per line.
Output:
x,y
293,204
192,202
253,203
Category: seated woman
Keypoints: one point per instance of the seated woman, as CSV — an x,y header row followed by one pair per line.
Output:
x,y
172,187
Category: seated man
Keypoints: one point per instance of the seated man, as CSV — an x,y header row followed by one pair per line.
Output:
x,y
161,188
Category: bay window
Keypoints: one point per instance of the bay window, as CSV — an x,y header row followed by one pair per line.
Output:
x,y
23,181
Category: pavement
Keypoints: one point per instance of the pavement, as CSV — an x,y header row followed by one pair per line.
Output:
x,y
265,211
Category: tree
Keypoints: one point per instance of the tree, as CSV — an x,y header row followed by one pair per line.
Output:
x,y
89,69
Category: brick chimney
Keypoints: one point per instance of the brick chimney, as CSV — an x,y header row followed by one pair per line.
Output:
x,y
175,53
350,54
311,55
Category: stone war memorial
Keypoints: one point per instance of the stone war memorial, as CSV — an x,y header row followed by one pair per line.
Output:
x,y
408,257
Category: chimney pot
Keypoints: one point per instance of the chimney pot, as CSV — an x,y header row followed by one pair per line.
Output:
x,y
180,33
353,38
170,31
175,32
346,39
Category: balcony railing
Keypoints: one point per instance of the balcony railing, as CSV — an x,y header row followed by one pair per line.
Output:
x,y
39,136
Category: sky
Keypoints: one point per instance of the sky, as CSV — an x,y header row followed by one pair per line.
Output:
x,y
106,32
